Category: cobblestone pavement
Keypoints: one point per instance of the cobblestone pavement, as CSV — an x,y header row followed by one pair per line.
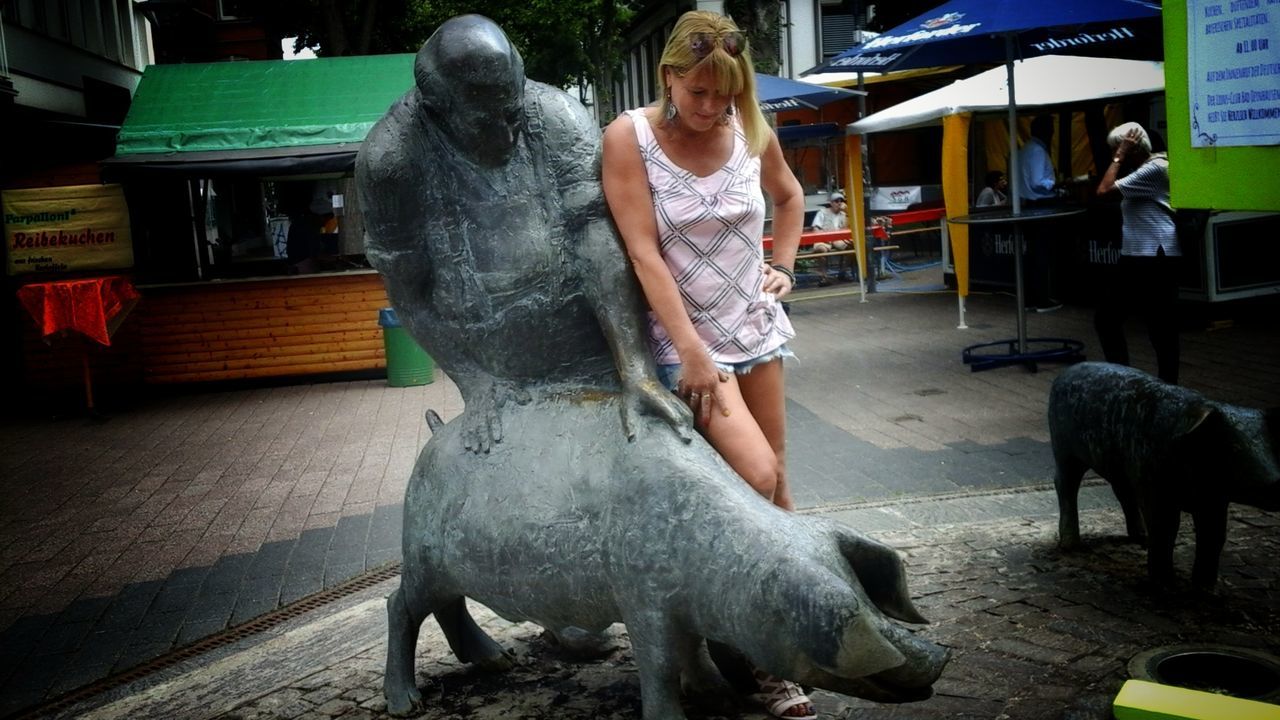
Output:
x,y
187,513
1036,634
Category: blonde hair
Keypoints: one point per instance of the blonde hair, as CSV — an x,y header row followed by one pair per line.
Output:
x,y
734,76
1116,136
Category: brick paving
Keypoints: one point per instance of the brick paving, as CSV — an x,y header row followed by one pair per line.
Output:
x,y
188,512
1036,634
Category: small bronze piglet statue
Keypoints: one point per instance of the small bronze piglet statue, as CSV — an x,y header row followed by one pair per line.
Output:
x,y
1164,449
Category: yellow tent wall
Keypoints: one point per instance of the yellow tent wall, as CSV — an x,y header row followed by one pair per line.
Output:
x,y
955,191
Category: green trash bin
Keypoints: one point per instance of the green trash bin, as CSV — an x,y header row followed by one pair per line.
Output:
x,y
407,363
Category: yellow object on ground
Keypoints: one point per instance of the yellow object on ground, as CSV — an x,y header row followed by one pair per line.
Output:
x,y
1142,700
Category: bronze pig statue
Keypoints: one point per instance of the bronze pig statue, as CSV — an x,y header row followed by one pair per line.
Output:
x,y
570,529
1164,449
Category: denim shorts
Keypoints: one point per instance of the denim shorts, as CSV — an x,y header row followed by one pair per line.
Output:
x,y
669,375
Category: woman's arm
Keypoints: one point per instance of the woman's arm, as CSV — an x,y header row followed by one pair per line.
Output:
x,y
626,190
788,214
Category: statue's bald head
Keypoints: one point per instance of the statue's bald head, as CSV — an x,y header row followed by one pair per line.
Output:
x,y
471,79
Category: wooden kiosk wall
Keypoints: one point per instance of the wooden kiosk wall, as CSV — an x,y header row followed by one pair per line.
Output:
x,y
238,330
230,330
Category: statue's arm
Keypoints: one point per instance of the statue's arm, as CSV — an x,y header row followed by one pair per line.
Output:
x,y
614,296
389,180
608,283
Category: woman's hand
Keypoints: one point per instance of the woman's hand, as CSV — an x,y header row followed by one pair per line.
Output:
x,y
699,386
777,282
1127,144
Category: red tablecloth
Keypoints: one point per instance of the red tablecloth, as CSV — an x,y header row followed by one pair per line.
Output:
x,y
86,306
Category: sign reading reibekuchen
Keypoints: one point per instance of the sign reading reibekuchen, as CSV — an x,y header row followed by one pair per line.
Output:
x,y
76,227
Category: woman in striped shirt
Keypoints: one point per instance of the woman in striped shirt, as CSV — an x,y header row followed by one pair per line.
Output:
x,y
1149,251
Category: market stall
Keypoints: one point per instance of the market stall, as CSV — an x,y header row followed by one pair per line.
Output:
x,y
248,240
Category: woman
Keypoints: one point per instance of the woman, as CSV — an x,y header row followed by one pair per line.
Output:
x,y
683,181
1147,277
994,192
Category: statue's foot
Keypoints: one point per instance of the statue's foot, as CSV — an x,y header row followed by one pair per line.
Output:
x,y
501,662
403,701
582,644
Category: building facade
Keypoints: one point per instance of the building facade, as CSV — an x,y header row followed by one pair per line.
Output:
x,y
810,31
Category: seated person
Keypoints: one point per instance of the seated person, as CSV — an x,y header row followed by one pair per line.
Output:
x,y
831,216
994,192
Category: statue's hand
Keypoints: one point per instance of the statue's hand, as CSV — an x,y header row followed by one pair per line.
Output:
x,y
482,422
649,397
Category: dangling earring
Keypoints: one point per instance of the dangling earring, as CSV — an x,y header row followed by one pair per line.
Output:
x,y
671,108
729,111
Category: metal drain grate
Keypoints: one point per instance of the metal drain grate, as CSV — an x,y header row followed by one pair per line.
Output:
x,y
226,637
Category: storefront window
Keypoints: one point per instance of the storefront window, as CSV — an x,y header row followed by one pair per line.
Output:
x,y
251,227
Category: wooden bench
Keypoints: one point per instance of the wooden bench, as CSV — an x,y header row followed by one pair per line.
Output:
x,y
901,223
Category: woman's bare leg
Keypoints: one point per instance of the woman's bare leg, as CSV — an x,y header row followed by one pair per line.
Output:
x,y
763,391
741,442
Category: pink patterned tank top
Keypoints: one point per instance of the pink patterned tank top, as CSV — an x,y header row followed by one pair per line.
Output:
x,y
709,232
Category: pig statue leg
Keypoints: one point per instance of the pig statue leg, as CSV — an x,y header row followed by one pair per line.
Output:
x,y
1066,481
1135,527
467,641
659,648
701,677
1162,519
398,684
407,608
1211,534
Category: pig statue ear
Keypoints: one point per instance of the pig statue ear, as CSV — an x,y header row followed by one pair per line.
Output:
x,y
1194,418
1192,425
881,573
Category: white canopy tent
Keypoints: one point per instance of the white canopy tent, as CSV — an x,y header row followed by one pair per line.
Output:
x,y
1041,81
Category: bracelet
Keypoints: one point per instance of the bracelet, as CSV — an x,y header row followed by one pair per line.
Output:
x,y
786,271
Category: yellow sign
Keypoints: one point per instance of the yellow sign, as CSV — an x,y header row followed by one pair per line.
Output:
x,y
76,227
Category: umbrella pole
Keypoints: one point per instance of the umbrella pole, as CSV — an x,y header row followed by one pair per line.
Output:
x,y
1016,182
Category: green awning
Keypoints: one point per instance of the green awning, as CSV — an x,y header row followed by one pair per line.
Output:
x,y
265,110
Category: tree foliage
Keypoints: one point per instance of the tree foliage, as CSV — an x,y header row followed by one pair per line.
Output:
x,y
563,42
346,27
761,21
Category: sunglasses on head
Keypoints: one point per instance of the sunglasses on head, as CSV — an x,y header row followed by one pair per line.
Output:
x,y
703,43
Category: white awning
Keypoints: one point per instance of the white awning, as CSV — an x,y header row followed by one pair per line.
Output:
x,y
1040,81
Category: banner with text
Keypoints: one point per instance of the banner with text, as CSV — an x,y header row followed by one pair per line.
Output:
x,y
1233,72
56,229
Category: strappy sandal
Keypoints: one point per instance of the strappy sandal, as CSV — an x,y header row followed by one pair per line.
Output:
x,y
778,696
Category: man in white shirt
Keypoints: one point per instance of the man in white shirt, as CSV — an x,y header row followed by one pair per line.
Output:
x,y
1037,181
1036,177
831,216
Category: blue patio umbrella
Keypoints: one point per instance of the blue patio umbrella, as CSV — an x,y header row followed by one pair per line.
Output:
x,y
778,93
964,32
